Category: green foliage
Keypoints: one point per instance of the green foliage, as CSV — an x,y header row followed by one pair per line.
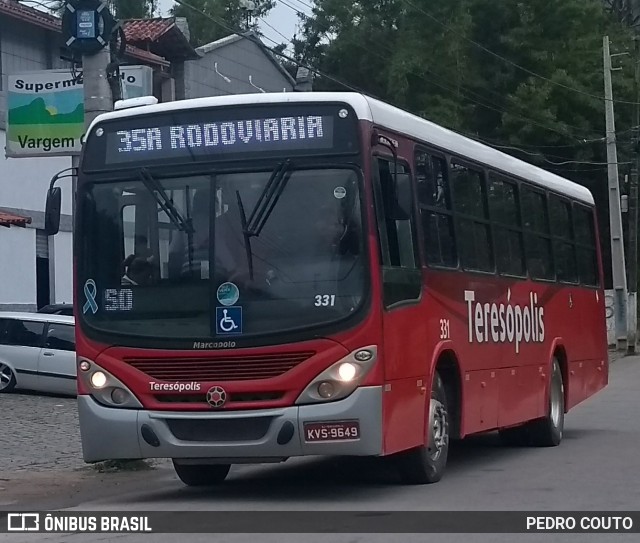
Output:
x,y
203,30
539,85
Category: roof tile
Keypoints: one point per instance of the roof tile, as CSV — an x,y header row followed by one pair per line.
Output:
x,y
9,219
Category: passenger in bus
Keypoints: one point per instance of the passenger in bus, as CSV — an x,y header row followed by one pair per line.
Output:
x,y
189,253
138,270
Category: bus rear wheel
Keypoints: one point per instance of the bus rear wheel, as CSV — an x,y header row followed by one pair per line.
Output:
x,y
426,464
201,474
545,432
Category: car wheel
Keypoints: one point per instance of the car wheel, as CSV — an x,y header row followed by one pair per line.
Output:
x,y
426,465
7,378
201,474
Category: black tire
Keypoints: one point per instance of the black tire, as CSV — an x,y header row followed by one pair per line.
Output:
x,y
514,437
7,379
426,465
545,432
201,474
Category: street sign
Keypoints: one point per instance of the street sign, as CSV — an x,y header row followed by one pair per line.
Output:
x,y
87,25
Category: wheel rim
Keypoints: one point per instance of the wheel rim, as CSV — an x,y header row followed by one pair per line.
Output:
x,y
5,376
556,401
438,429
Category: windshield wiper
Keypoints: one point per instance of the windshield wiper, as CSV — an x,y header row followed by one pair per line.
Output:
x,y
166,204
264,207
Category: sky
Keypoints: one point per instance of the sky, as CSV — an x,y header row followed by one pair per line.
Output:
x,y
282,18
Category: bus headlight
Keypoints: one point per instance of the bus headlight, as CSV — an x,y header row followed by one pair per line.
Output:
x,y
104,387
340,379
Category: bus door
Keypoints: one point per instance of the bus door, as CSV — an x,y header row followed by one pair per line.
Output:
x,y
404,331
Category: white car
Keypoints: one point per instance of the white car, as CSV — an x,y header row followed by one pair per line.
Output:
x,y
37,352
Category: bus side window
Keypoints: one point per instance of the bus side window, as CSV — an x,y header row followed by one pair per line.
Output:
x,y
507,226
563,247
585,237
472,218
537,238
398,246
435,210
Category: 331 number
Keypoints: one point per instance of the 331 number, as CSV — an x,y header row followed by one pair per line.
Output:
x,y
445,332
325,300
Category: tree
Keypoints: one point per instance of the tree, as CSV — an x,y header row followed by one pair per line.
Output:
x,y
228,12
513,73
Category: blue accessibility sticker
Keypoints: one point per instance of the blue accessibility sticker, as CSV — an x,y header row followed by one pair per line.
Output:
x,y
228,321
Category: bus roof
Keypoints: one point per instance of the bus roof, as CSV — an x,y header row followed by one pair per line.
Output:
x,y
385,116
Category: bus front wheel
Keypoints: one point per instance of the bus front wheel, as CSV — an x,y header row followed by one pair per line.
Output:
x,y
201,474
426,464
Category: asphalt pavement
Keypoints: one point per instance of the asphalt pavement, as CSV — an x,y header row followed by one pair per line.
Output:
x,y
595,469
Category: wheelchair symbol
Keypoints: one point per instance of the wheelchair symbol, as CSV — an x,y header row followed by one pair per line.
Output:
x,y
229,320
226,323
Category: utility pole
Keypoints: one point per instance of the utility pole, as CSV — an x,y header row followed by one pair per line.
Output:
x,y
632,309
87,26
615,215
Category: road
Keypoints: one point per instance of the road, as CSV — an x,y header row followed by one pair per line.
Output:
x,y
595,468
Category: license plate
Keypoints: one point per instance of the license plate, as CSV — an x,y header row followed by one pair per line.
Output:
x,y
332,431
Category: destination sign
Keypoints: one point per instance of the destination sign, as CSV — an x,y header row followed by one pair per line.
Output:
x,y
312,131
191,136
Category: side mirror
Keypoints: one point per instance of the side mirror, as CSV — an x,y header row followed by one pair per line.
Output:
x,y
52,211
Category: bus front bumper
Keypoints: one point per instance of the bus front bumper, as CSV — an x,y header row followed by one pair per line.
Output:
x,y
230,436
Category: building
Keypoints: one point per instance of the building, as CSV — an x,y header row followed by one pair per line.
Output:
x,y
37,269
235,65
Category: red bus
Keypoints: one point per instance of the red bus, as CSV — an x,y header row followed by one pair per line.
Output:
x,y
267,276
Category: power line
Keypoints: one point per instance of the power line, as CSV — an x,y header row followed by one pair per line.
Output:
x,y
463,89
331,78
257,42
580,141
274,29
508,61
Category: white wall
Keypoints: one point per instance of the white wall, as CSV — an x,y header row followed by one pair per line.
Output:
x,y
23,185
24,181
63,266
17,266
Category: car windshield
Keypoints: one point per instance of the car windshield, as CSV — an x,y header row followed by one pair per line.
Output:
x,y
195,257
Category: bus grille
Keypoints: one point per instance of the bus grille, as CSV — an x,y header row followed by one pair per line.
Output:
x,y
249,429
226,368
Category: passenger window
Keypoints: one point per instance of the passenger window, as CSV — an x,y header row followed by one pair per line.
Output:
x,y
61,337
505,215
397,215
586,245
470,204
402,280
21,333
434,202
537,237
562,231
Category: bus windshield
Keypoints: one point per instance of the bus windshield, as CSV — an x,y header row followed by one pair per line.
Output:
x,y
180,258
